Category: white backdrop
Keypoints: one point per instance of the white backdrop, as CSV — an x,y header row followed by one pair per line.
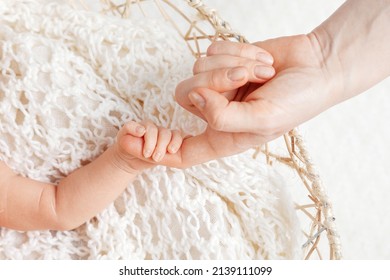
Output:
x,y
350,143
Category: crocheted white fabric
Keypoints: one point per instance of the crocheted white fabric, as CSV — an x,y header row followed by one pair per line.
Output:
x,y
69,79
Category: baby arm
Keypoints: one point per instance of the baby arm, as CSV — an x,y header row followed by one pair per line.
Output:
x,y
26,204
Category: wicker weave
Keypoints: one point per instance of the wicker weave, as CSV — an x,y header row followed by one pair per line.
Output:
x,y
200,25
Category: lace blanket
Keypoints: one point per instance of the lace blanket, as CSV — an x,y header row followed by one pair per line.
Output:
x,y
69,79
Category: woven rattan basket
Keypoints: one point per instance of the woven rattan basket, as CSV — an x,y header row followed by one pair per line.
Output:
x,y
199,25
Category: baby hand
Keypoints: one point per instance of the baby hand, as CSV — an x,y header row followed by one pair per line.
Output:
x,y
143,145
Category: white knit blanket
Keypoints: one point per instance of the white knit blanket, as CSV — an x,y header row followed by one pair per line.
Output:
x,y
69,79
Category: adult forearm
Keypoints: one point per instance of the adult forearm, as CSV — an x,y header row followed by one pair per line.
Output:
x,y
355,46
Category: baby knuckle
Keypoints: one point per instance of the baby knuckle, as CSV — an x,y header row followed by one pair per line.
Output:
x,y
164,131
176,133
150,125
152,130
128,126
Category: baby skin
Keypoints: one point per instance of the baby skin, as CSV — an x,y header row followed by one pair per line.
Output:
x,y
26,204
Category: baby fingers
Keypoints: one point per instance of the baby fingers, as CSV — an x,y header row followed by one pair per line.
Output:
x,y
150,138
133,128
168,140
159,140
163,140
176,142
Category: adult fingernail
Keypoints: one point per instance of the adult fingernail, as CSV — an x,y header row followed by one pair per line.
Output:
x,y
197,99
237,74
262,72
264,57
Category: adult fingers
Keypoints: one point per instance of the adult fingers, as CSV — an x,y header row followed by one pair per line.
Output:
x,y
232,116
258,71
219,80
221,114
244,50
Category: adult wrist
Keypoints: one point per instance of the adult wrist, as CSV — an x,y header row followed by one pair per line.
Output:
x,y
354,45
323,45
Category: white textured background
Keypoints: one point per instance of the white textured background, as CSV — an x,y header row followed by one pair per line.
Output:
x,y
350,143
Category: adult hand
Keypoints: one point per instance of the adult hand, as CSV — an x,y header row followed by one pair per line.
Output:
x,y
341,58
227,67
297,92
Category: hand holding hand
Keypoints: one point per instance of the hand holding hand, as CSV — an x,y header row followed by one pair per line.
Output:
x,y
298,91
142,146
227,69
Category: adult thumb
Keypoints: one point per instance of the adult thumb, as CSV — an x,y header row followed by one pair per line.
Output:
x,y
220,113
